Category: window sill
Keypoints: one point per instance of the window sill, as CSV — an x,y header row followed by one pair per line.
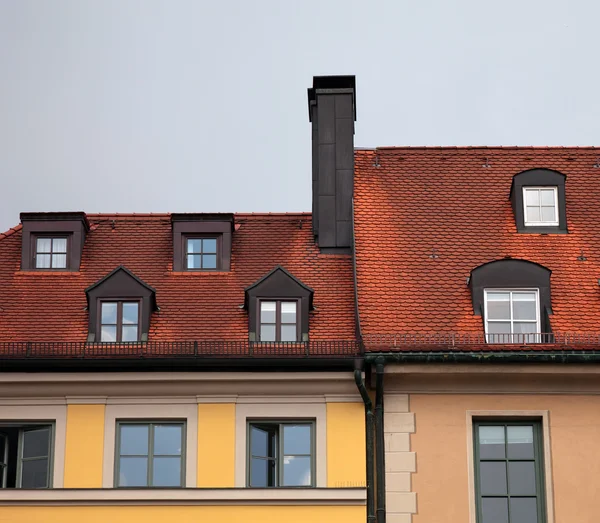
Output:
x,y
187,496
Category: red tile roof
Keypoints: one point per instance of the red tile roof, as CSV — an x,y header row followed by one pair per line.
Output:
x,y
51,306
426,216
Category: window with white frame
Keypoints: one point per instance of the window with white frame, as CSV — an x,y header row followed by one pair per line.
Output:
x,y
541,206
512,316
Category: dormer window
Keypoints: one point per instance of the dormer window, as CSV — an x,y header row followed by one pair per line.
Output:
x,y
120,307
513,299
50,252
512,316
53,240
541,206
278,320
278,307
539,202
202,242
201,254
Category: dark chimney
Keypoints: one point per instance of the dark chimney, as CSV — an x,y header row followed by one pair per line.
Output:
x,y
332,111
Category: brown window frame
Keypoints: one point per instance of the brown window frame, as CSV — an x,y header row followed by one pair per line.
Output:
x,y
219,250
119,324
278,302
51,236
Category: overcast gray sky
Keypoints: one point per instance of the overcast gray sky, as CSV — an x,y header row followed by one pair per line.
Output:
x,y
200,106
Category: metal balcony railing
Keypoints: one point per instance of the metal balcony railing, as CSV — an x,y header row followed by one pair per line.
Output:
x,y
179,350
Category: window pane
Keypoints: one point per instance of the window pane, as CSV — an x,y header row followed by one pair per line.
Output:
x,y
523,510
109,313
491,442
166,472
44,245
495,510
533,214
498,310
259,472
525,332
130,313
520,442
59,245
499,332
521,478
296,471
134,439
263,441
492,478
133,472
129,333
267,311
532,197
548,214
209,245
36,443
194,246
194,261
209,261
547,197
296,439
42,261
289,333
59,261
167,439
524,310
34,473
108,333
267,333
288,312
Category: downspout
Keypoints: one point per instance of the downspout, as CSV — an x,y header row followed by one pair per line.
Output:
x,y
380,441
370,451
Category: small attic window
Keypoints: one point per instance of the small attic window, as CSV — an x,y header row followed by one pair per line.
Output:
x,y
50,252
539,202
541,206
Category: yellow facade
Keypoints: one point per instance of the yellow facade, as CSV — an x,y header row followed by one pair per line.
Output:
x,y
84,446
346,457
86,462
216,443
160,514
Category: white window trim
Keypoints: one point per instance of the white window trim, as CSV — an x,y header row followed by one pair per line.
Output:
x,y
540,223
512,320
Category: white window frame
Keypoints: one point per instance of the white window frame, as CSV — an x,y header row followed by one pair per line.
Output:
x,y
540,223
536,338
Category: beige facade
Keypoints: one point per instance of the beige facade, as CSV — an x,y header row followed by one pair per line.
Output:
x,y
429,412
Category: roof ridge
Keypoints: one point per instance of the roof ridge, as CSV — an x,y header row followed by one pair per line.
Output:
x,y
479,147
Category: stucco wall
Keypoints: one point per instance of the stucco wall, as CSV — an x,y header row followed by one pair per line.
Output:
x,y
440,442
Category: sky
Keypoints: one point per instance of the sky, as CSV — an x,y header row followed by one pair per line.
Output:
x,y
200,106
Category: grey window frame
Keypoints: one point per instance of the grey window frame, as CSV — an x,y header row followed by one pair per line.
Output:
x,y
119,324
50,236
538,446
24,426
278,323
217,253
279,423
150,456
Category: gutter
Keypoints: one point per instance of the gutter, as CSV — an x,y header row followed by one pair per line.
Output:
x,y
370,450
520,356
380,440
